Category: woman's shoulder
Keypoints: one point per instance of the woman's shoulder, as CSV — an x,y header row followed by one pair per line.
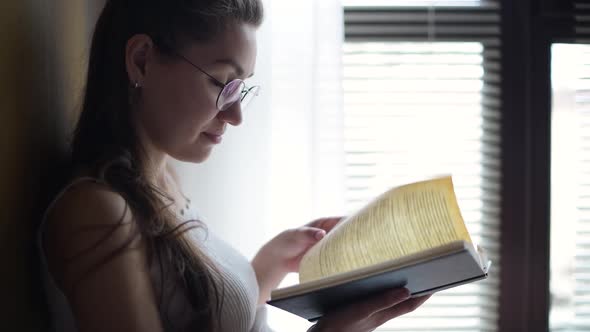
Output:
x,y
96,255
81,193
84,213
84,203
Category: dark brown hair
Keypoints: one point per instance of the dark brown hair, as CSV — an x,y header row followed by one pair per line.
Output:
x,y
106,143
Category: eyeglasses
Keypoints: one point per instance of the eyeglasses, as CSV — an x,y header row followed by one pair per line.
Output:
x,y
230,92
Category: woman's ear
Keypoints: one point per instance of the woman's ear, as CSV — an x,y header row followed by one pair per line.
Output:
x,y
137,52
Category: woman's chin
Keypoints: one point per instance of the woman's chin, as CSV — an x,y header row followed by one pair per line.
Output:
x,y
196,156
201,157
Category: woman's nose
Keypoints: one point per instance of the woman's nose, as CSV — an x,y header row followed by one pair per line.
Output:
x,y
232,115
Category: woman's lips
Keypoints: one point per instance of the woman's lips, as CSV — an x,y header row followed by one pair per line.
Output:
x,y
215,139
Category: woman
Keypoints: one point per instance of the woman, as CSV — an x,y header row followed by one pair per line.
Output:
x,y
123,248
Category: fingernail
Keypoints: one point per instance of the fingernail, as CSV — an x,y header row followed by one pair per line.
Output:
x,y
319,234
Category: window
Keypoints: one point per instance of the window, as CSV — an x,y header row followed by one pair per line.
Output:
x,y
570,188
421,98
399,3
481,111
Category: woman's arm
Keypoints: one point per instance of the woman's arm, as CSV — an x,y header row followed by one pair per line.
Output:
x,y
108,289
283,253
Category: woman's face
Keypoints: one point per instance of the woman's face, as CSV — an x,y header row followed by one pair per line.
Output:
x,y
177,106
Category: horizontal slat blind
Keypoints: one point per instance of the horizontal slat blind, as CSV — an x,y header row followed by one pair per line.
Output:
x,y
582,21
421,97
570,275
461,23
570,219
582,255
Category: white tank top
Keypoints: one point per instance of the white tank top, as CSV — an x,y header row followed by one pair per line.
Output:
x,y
239,311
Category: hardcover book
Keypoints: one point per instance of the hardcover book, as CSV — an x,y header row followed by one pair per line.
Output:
x,y
411,236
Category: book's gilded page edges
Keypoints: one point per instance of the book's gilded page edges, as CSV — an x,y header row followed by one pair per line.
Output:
x,y
400,222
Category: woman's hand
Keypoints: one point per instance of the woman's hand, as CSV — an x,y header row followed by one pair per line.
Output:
x,y
283,253
369,314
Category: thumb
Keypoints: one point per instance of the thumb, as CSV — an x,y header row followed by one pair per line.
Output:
x,y
312,233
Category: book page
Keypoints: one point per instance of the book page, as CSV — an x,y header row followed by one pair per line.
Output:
x,y
403,221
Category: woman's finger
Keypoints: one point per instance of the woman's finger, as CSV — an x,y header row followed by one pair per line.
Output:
x,y
326,223
400,309
307,234
382,301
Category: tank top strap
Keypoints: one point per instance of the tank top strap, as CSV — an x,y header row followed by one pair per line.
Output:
x,y
67,187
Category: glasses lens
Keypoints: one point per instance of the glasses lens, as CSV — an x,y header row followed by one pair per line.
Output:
x,y
249,95
230,94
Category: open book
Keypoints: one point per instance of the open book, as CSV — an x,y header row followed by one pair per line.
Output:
x,y
411,236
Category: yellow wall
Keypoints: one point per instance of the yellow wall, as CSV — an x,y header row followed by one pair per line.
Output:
x,y
43,51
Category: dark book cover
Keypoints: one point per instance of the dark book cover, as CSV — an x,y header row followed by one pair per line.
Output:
x,y
425,273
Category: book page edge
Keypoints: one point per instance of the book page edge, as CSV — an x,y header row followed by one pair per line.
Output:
x,y
342,278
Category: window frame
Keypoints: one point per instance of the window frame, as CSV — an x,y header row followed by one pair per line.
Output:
x,y
359,21
528,29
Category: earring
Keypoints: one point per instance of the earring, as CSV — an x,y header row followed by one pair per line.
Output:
x,y
136,85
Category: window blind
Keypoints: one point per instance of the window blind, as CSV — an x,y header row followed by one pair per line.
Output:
x,y
421,98
570,206
570,191
581,271
581,15
581,299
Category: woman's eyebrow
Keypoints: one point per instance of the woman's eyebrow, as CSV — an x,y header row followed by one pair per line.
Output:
x,y
233,63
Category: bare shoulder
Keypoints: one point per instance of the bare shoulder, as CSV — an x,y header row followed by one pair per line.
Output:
x,y
84,215
86,204
86,199
98,258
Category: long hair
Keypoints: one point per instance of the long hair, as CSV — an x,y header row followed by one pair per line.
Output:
x,y
106,141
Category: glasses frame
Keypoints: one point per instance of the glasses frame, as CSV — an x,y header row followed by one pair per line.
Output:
x,y
245,89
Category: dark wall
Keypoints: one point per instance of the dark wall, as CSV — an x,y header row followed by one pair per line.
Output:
x,y
43,50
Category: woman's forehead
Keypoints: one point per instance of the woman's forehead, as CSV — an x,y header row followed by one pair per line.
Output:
x,y
234,46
